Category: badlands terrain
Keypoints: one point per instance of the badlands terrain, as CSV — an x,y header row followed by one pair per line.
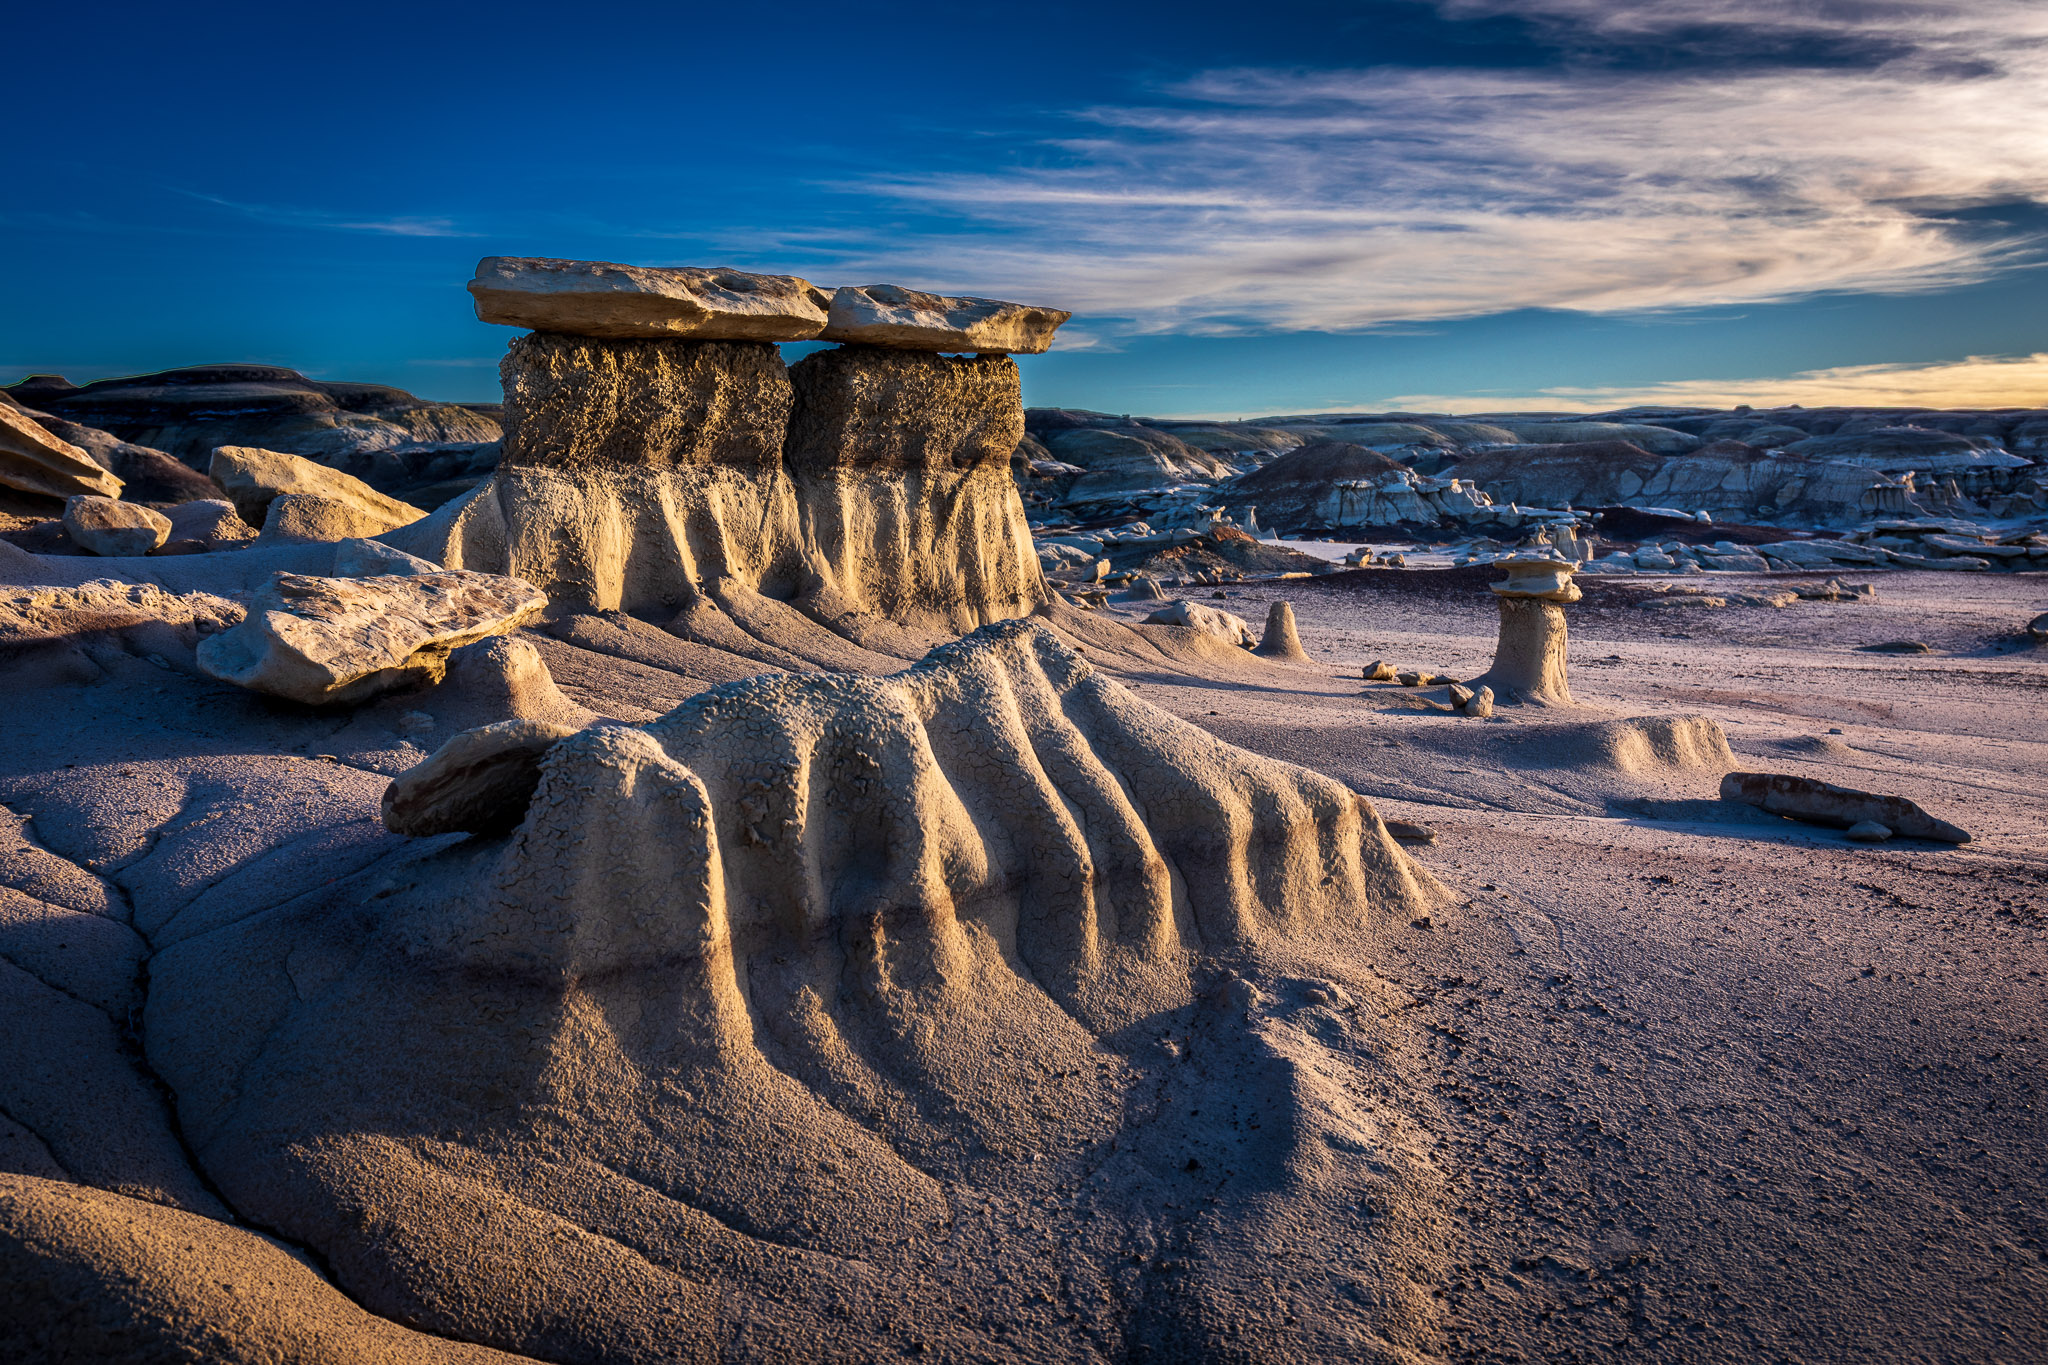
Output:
x,y
724,858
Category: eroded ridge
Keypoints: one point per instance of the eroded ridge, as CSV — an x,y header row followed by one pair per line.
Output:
x,y
763,999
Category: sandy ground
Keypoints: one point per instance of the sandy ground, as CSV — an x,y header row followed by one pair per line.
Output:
x,y
1710,1088
1697,1086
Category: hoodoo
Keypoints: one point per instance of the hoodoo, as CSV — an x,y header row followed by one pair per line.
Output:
x,y
1529,661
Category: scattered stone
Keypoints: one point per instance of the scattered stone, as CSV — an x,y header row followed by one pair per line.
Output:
x,y
300,518
211,520
479,782
1834,590
1145,588
602,299
34,461
1410,833
1481,704
2037,629
1821,803
1461,696
1281,640
1381,671
890,315
109,526
1899,647
1869,832
1412,678
1193,615
254,479
330,640
1682,600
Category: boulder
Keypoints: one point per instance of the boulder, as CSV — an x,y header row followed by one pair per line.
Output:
x,y
327,640
890,315
1822,803
256,478
1209,620
1380,671
602,299
109,526
296,518
211,521
1480,706
34,461
479,782
146,475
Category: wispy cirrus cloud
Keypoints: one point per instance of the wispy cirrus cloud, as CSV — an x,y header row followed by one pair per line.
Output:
x,y
1711,152
1974,382
327,221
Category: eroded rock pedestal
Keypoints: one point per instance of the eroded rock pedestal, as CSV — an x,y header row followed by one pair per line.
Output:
x,y
1529,660
867,488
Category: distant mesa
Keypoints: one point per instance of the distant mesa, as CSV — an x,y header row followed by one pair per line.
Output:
x,y
623,302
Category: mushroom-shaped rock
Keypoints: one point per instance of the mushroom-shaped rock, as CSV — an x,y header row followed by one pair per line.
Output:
x,y
1281,640
326,640
1823,803
479,782
34,461
1529,661
909,319
1210,621
108,526
603,299
255,478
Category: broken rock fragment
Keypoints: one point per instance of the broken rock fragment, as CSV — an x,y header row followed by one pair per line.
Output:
x,y
479,782
34,461
909,319
254,479
1822,803
108,526
327,640
603,299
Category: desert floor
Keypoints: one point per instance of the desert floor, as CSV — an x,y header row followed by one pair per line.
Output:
x,y
1713,1088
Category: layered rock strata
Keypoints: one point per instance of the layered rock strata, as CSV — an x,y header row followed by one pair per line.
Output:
x,y
867,490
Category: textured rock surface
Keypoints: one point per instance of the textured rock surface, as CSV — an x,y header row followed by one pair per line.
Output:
x,y
1822,803
34,461
571,401
890,315
255,478
86,1275
320,640
600,299
382,435
901,469
710,1054
479,782
109,526
1223,625
1281,640
1529,660
146,475
297,518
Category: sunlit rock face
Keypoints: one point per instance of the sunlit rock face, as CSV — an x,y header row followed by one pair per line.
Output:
x,y
873,494
758,997
901,461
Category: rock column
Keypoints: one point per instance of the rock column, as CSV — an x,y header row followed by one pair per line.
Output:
x,y
1529,661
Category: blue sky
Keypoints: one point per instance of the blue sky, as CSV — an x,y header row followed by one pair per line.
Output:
x,y
1454,205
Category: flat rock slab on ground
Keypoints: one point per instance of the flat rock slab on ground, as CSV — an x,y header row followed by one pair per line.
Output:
x,y
1823,803
326,640
254,479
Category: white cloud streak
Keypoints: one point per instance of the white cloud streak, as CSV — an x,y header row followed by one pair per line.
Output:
x,y
1257,200
1975,382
